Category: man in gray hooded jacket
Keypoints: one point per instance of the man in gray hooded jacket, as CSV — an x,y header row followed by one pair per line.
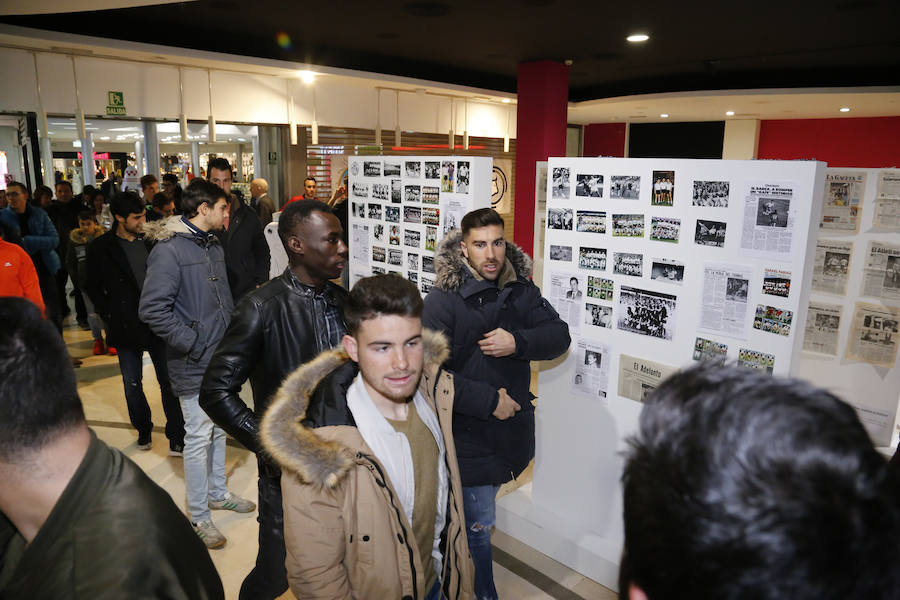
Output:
x,y
187,302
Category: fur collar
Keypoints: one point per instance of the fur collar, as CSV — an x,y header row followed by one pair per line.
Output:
x,y
450,266
168,228
299,449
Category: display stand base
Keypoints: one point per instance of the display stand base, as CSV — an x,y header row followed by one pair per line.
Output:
x,y
594,557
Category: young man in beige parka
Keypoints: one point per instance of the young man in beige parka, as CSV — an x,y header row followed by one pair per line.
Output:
x,y
372,495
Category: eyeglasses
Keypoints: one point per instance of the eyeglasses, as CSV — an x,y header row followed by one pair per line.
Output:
x,y
10,194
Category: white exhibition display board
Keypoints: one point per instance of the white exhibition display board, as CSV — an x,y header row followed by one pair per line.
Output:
x,y
402,206
857,265
653,263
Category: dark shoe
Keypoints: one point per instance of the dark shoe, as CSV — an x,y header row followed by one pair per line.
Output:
x,y
176,449
76,362
145,441
83,325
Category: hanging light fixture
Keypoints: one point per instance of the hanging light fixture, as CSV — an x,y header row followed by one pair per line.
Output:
x,y
377,116
506,137
315,122
292,123
397,121
182,118
79,114
466,125
451,141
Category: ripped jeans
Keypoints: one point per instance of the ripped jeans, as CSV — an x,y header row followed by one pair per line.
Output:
x,y
480,506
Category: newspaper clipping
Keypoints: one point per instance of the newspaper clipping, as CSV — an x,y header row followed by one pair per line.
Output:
x,y
709,350
591,369
887,201
754,359
843,199
565,296
723,307
360,243
638,377
777,282
598,315
647,313
768,222
881,278
873,334
773,320
832,266
822,324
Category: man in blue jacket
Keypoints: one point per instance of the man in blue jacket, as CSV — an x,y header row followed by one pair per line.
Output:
x,y
497,323
40,239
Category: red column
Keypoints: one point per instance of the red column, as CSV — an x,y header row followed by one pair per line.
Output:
x,y
604,139
543,95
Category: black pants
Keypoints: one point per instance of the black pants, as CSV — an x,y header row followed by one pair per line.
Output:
x,y
268,579
62,276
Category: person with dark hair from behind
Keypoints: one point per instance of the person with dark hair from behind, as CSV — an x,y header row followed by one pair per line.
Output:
x,y
364,437
39,240
186,301
77,264
117,264
162,207
497,322
63,213
743,486
246,250
283,324
78,519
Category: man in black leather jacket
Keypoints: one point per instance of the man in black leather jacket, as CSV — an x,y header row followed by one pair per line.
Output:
x,y
273,330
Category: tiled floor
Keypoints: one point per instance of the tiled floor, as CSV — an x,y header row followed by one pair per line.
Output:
x,y
522,572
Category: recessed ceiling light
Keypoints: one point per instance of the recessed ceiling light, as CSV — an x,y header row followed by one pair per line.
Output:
x,y
845,109
638,37
729,113
306,76
664,115
506,101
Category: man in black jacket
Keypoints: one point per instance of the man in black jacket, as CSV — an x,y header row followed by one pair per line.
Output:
x,y
273,330
117,263
246,251
497,323
78,519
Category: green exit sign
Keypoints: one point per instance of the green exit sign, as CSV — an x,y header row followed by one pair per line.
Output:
x,y
115,103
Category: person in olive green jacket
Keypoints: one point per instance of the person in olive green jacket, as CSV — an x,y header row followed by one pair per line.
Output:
x,y
78,519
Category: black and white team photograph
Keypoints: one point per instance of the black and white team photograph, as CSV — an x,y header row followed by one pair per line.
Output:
x,y
592,258
432,169
374,211
360,190
709,233
590,221
647,313
559,218
711,193
665,229
561,253
631,225
412,214
412,262
560,183
395,257
625,187
392,168
411,238
427,263
589,186
628,263
372,168
378,254
380,191
392,214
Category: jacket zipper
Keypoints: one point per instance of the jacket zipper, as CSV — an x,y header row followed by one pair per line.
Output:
x,y
412,564
451,544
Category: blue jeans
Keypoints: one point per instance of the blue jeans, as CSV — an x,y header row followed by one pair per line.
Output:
x,y
132,368
480,506
435,593
204,459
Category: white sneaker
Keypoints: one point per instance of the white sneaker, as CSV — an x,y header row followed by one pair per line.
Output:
x,y
232,502
210,535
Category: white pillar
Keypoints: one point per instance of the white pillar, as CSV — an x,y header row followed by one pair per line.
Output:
x,y
257,158
741,139
87,159
239,166
151,148
139,157
195,158
47,162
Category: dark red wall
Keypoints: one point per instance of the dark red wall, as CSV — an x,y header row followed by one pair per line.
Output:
x,y
604,139
863,142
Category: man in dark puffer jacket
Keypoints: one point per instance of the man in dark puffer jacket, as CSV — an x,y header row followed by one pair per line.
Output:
x,y
497,323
